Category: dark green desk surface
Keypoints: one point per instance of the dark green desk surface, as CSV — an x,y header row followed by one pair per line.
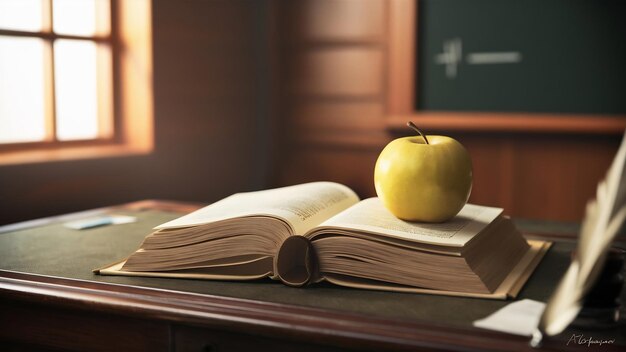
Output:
x,y
58,251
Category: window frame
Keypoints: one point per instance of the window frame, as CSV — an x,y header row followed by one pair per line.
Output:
x,y
131,110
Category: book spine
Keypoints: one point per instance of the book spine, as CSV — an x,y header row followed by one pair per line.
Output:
x,y
296,262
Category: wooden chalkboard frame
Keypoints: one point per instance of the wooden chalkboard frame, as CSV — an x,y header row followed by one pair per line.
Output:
x,y
400,99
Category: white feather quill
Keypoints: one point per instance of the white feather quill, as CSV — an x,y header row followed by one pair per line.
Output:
x,y
604,217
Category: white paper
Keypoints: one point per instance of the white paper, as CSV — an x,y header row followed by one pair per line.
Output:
x,y
518,318
98,221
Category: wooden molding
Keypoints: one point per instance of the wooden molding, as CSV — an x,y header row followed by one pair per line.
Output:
x,y
511,122
401,57
347,141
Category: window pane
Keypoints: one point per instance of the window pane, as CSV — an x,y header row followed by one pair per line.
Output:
x,y
22,103
76,89
22,15
81,17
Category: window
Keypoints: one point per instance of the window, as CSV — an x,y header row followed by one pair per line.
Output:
x,y
59,90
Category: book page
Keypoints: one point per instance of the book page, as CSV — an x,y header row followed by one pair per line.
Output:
x,y
371,216
302,206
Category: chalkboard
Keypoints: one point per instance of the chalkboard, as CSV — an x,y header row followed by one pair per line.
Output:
x,y
550,56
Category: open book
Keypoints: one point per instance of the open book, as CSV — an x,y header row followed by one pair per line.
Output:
x,y
321,231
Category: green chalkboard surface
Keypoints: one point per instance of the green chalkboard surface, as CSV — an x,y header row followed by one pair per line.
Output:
x,y
551,56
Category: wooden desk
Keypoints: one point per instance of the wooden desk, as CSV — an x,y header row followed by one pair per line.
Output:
x,y
57,303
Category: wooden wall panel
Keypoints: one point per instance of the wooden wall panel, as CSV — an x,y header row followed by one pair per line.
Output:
x,y
336,122
491,162
332,87
538,176
221,23
336,115
336,72
209,98
353,167
332,94
555,177
333,20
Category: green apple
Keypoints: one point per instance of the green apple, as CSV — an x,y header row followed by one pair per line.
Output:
x,y
423,178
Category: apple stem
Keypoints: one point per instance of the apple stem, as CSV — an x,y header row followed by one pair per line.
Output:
x,y
412,125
